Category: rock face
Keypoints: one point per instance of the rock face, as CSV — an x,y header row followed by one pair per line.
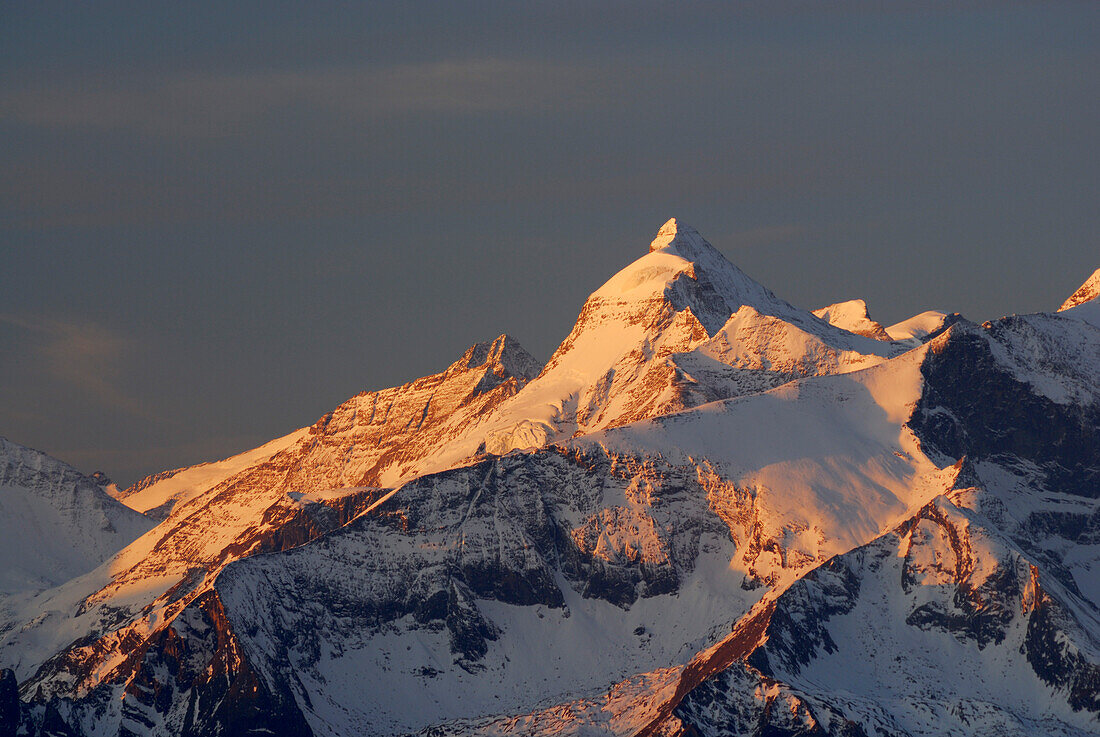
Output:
x,y
745,518
1087,292
900,637
1023,387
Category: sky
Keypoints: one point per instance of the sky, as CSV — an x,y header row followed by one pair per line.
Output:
x,y
218,221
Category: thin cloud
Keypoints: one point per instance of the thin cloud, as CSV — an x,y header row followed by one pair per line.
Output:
x,y
82,355
220,104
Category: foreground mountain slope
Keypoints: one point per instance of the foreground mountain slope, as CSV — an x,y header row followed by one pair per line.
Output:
x,y
277,503
976,615
469,590
55,522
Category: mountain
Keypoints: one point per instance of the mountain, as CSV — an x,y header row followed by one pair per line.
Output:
x,y
55,522
278,496
975,613
678,328
710,512
853,317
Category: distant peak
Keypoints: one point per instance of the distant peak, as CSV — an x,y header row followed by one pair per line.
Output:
x,y
504,353
853,317
1087,292
674,231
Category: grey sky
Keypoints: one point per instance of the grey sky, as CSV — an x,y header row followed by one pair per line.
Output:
x,y
219,223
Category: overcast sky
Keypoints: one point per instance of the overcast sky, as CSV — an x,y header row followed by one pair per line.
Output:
x,y
217,224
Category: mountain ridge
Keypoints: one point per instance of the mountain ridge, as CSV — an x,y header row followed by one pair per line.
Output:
x,y
706,498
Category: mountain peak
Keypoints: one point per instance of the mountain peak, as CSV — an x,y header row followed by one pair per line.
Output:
x,y
674,232
1087,292
503,353
853,317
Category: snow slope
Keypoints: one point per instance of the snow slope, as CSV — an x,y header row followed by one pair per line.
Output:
x,y
920,327
55,522
853,317
158,494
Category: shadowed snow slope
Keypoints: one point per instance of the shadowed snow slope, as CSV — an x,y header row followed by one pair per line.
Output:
x,y
55,522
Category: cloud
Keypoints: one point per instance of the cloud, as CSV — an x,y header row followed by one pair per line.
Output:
x,y
213,104
82,355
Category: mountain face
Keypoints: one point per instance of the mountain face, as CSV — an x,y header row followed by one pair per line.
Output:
x,y
55,522
1087,292
709,513
293,490
853,317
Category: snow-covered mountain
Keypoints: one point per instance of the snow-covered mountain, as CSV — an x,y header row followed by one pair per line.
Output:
x,y
711,512
678,328
55,522
853,317
280,495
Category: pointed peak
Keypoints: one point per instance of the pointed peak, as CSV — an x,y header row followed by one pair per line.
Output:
x,y
674,232
672,226
1087,292
504,353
